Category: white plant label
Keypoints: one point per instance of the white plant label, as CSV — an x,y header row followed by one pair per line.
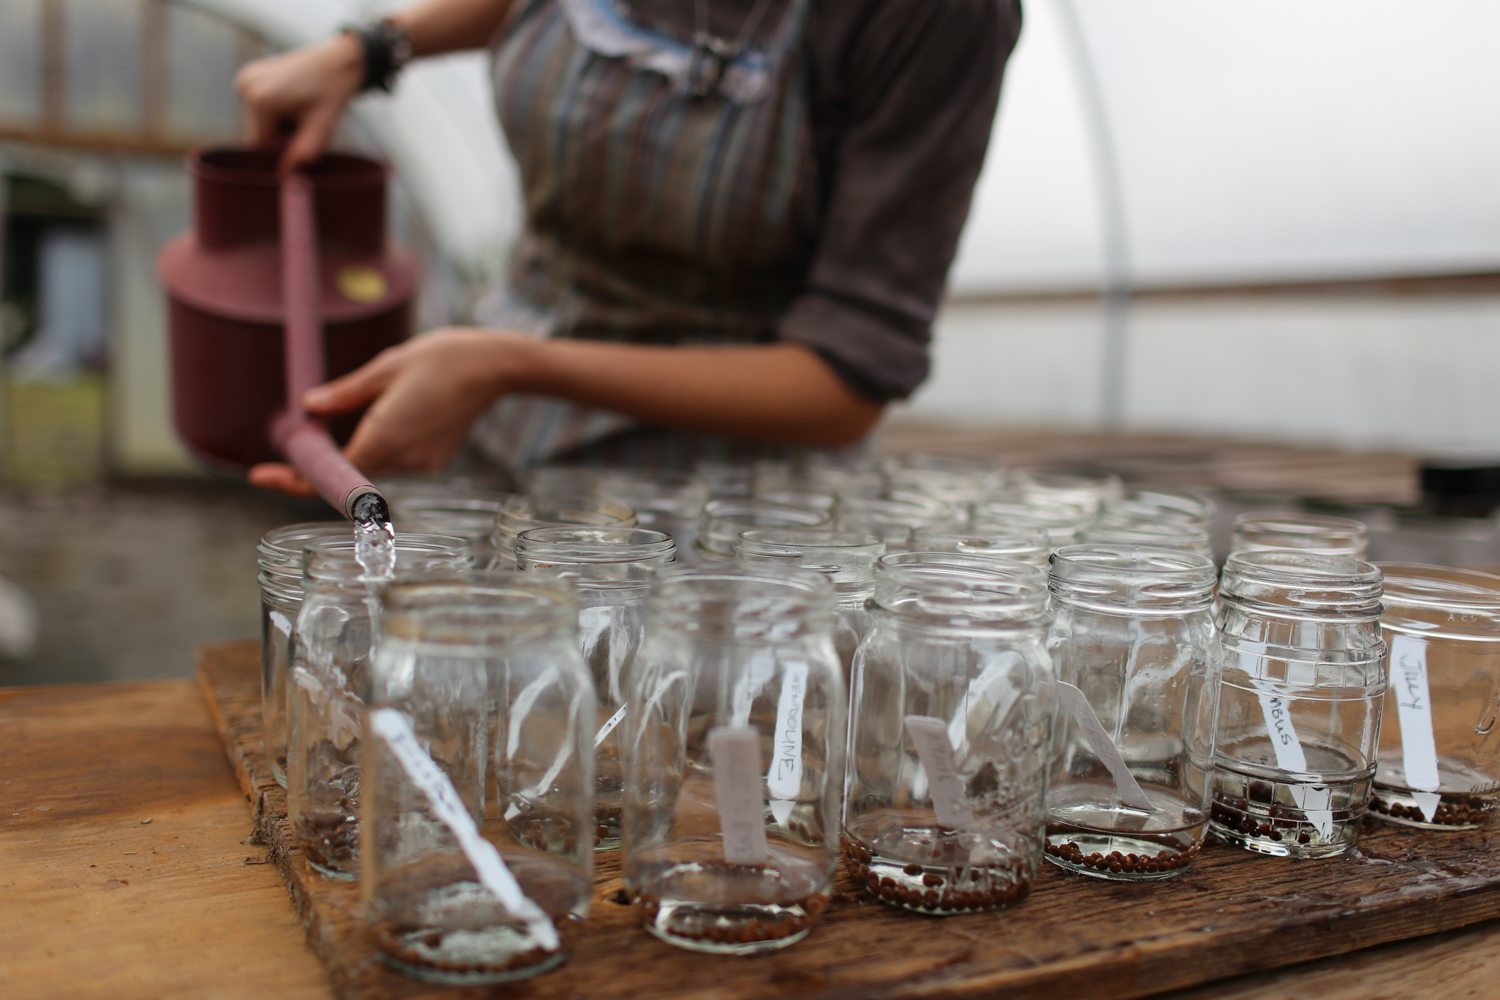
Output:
x,y
784,777
280,622
735,752
609,726
1311,799
392,727
1418,748
1127,789
930,736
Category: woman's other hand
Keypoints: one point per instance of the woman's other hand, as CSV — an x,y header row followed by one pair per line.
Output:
x,y
307,88
422,395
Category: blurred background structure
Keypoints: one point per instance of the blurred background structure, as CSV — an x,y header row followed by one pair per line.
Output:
x,y
1268,220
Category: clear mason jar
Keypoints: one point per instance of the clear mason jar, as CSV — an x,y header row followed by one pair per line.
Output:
x,y
950,725
724,518
1063,523
1133,647
328,687
893,518
1314,533
468,514
551,511
1302,686
847,558
1022,543
477,682
734,766
1438,763
611,570
280,578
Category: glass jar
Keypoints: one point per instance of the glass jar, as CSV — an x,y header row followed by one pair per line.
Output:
x,y
1302,685
1315,533
724,518
1022,543
847,558
950,724
1438,764
477,682
1133,648
892,518
328,687
1151,505
610,569
734,766
469,515
549,511
280,578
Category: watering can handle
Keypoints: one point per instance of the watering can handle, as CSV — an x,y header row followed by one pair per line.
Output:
x,y
305,441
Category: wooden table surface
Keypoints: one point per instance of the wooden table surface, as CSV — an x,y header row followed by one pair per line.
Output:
x,y
95,901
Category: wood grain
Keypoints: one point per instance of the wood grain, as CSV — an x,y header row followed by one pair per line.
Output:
x,y
122,867
1234,913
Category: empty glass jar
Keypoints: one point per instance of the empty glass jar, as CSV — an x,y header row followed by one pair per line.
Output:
x,y
1315,533
469,514
1302,685
610,569
1133,648
1022,543
280,579
477,682
1439,757
950,725
734,760
328,687
892,518
1063,523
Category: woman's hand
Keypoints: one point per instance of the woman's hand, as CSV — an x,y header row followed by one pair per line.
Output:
x,y
309,88
423,396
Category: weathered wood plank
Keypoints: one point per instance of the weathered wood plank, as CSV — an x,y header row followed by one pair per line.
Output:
x,y
1234,913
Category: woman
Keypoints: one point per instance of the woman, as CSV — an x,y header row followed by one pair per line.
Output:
x,y
740,216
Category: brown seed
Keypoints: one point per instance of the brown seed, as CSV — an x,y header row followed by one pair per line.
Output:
x,y
1303,838
931,879
913,869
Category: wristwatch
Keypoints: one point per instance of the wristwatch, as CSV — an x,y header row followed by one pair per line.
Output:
x,y
387,49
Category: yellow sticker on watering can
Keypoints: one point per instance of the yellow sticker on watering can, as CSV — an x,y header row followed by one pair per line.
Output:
x,y
361,284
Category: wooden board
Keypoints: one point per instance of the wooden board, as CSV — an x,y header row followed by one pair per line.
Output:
x,y
123,871
1233,913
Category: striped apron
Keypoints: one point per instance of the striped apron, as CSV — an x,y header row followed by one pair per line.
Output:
x,y
652,216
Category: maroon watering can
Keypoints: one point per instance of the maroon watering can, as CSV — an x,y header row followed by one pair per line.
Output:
x,y
283,284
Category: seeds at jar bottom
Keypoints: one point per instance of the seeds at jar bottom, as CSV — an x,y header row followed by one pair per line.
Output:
x,y
714,906
330,842
1453,810
939,884
1257,822
1135,856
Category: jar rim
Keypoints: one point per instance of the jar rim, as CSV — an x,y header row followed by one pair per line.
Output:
x,y
1297,580
1420,585
957,589
1294,524
1149,579
685,590
334,558
795,537
289,541
476,605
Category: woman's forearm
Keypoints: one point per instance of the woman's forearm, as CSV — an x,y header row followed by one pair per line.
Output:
x,y
438,26
777,393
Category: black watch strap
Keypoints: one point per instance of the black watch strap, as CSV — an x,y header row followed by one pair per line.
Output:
x,y
386,50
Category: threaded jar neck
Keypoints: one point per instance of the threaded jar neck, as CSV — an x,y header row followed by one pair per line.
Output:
x,y
1022,543
1132,579
521,513
280,551
846,558
1315,533
596,558
950,590
724,518
1301,584
332,561
1441,601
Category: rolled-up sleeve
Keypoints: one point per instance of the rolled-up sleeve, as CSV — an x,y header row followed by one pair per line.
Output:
x,y
915,92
